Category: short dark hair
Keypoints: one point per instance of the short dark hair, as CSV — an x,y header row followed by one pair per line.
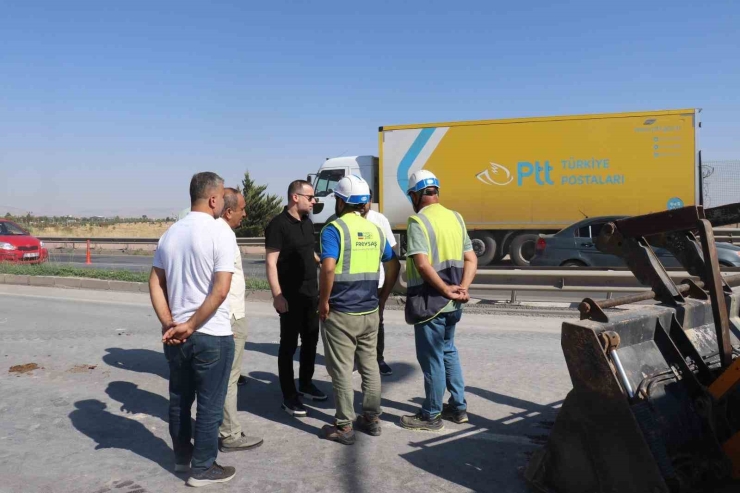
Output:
x,y
231,198
202,183
296,187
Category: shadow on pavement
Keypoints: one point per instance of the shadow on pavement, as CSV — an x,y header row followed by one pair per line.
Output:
x,y
271,349
486,454
138,360
262,397
111,431
136,401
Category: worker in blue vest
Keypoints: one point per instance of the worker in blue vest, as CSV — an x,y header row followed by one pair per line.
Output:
x,y
352,249
440,267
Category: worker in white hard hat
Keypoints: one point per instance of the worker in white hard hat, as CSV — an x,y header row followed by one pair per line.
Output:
x,y
440,267
352,249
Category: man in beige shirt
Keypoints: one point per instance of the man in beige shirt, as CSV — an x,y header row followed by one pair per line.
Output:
x,y
231,437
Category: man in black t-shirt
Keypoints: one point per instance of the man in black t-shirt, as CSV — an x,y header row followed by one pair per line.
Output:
x,y
291,266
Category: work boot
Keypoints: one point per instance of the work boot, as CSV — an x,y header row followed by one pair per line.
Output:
x,y
216,474
450,414
368,424
342,434
295,407
419,423
242,442
312,392
384,368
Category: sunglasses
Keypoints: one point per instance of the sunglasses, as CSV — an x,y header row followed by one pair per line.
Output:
x,y
309,197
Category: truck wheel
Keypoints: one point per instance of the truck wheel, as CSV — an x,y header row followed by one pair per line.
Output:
x,y
484,246
522,249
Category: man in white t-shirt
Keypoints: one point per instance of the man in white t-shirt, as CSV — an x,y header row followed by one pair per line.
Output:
x,y
382,222
231,437
189,286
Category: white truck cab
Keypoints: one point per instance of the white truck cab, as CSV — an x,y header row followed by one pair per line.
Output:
x,y
331,171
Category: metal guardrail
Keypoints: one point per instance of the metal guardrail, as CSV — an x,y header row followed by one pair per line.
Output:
x,y
141,241
729,235
569,280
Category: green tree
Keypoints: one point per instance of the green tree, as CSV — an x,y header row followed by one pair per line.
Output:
x,y
261,208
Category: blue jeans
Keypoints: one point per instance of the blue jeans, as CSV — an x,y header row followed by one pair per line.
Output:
x,y
200,366
440,363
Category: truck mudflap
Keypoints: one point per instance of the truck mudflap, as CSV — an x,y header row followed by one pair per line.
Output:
x,y
655,405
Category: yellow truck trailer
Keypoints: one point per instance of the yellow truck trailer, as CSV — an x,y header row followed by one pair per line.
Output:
x,y
513,179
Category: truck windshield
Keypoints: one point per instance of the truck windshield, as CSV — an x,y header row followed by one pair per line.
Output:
x,y
327,181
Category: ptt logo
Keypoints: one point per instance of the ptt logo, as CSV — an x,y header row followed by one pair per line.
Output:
x,y
498,174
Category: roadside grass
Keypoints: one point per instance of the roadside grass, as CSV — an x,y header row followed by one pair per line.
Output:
x,y
106,274
254,284
64,271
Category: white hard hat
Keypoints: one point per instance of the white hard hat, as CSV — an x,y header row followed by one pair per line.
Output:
x,y
422,179
353,190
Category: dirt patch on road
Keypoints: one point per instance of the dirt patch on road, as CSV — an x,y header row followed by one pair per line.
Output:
x,y
23,368
82,368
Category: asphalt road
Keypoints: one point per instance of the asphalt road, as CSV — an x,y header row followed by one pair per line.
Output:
x,y
254,267
93,416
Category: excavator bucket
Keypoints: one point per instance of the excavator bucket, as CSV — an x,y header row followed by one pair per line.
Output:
x,y
655,405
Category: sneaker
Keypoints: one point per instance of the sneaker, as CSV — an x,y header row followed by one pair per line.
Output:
x,y
242,380
342,434
294,407
312,392
243,442
216,474
182,467
419,423
384,368
450,414
369,425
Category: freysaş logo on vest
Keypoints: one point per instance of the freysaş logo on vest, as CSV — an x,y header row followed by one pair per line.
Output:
x,y
365,240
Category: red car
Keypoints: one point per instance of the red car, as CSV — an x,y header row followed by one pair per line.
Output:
x,y
18,246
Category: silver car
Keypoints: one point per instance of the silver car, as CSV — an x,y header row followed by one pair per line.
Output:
x,y
575,246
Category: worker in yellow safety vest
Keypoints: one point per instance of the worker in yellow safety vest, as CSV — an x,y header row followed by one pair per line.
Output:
x,y
440,266
352,249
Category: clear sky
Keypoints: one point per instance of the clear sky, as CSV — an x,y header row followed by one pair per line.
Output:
x,y
109,107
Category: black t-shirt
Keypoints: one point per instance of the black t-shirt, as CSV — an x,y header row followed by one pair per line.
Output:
x,y
296,265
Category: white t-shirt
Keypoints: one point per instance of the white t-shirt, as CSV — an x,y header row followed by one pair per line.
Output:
x,y
190,253
381,221
238,285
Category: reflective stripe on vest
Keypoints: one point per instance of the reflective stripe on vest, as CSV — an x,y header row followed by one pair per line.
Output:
x,y
445,231
356,276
